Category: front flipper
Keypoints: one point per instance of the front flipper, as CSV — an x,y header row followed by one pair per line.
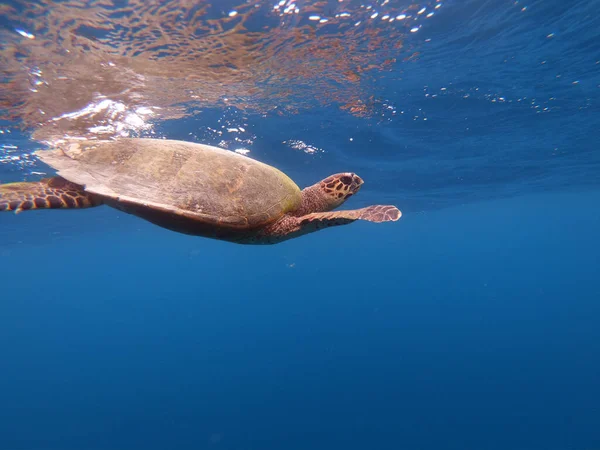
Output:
x,y
49,193
376,213
289,227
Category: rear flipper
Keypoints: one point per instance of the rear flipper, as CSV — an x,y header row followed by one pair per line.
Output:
x,y
49,193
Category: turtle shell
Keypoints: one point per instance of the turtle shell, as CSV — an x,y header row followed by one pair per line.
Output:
x,y
198,181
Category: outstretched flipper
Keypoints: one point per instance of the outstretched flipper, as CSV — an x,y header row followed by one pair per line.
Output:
x,y
289,227
375,213
49,193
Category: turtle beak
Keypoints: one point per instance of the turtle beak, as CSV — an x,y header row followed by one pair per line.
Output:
x,y
357,182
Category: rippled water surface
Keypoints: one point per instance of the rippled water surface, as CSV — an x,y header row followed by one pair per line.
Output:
x,y
472,323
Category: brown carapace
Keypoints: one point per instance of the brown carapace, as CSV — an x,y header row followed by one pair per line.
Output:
x,y
191,188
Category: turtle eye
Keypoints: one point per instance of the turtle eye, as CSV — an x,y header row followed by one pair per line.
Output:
x,y
346,180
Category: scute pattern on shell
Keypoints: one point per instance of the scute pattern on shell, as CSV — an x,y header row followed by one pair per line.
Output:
x,y
204,182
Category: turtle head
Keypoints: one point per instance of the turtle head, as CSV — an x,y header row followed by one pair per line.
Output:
x,y
340,187
329,193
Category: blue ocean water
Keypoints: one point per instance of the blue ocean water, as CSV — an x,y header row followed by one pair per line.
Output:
x,y
471,323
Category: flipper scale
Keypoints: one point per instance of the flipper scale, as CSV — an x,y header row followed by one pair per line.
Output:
x,y
48,193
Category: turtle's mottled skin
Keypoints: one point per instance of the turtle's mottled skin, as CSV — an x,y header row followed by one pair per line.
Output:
x,y
190,188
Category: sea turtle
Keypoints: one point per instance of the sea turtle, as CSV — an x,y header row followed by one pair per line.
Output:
x,y
190,188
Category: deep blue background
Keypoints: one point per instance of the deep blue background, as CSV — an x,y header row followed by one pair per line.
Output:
x,y
472,323
470,327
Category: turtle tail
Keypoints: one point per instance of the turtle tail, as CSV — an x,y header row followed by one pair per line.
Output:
x,y
48,193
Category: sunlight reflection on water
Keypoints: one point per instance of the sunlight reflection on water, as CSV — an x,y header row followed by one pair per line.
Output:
x,y
115,70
